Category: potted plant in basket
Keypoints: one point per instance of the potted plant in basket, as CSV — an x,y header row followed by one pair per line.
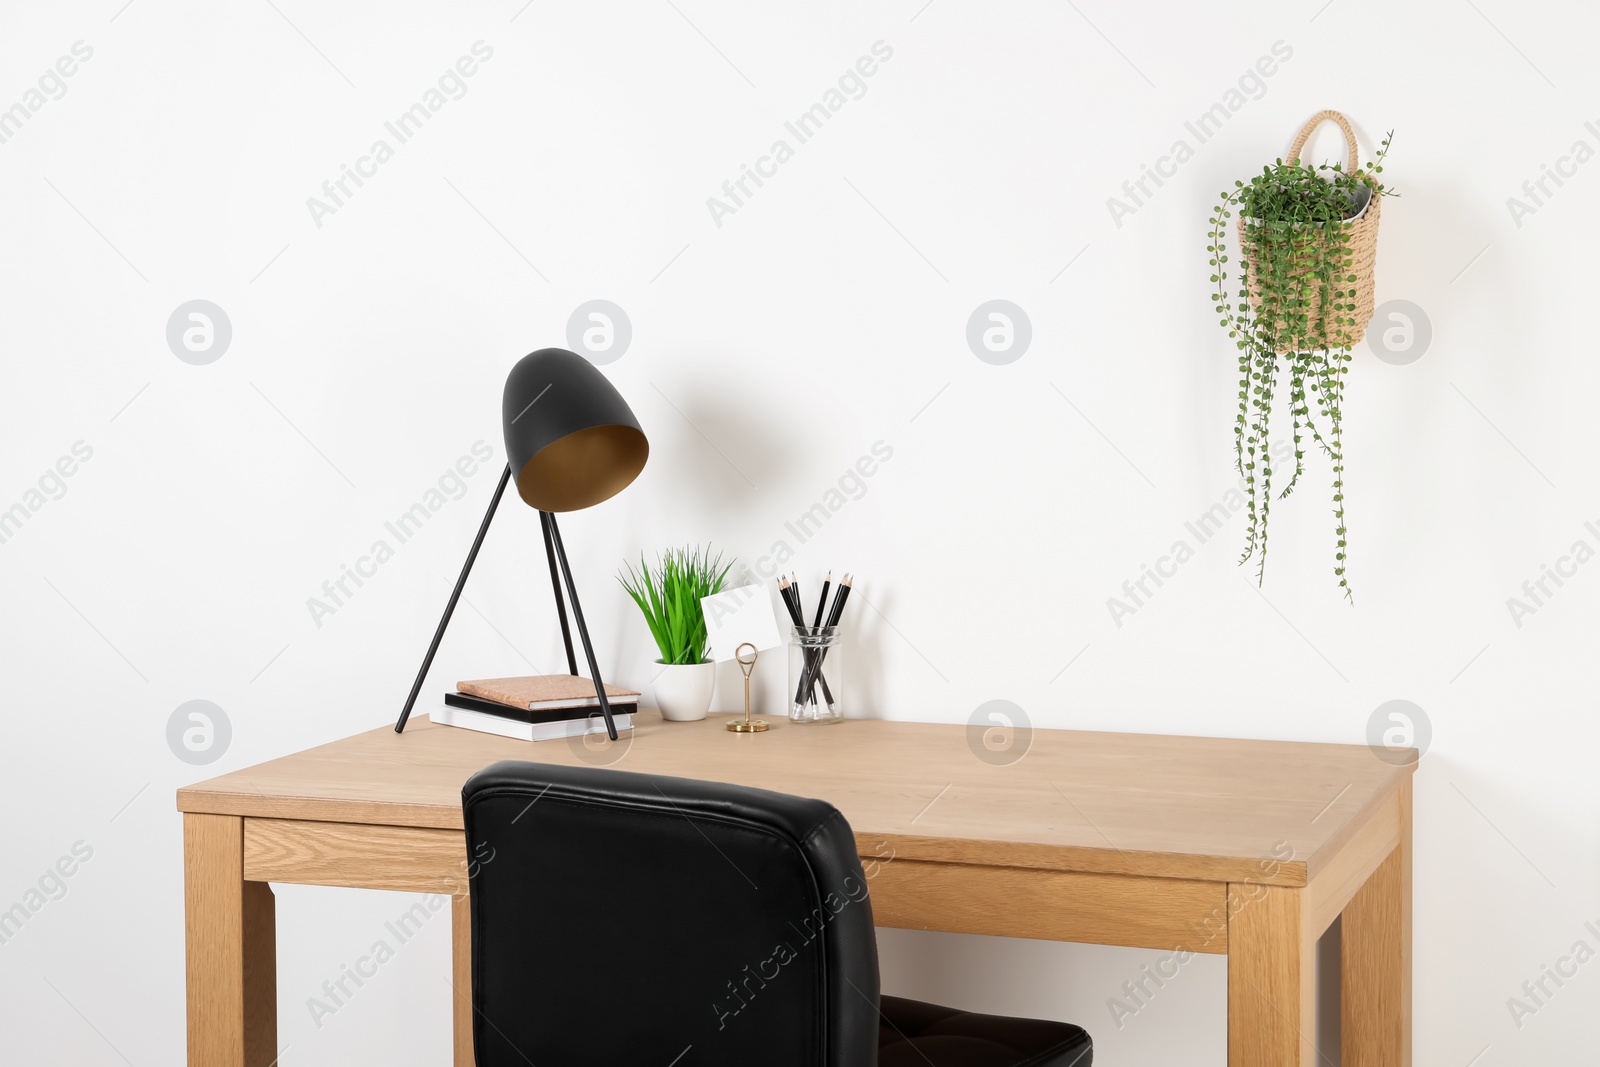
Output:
x,y
669,596
1308,239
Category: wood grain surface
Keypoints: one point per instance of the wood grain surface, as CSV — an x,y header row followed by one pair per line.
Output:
x,y
1203,808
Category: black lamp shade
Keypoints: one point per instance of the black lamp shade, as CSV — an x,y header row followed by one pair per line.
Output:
x,y
571,440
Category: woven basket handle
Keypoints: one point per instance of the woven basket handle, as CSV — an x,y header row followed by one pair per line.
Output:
x,y
1317,120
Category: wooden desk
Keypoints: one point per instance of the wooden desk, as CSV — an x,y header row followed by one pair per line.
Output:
x,y
1244,848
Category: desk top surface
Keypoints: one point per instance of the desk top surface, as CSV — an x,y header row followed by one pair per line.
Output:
x,y
1181,807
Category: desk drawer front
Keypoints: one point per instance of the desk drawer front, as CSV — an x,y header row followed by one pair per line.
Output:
x,y
1099,909
1102,909
410,859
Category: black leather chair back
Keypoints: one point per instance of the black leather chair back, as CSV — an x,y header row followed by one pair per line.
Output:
x,y
626,919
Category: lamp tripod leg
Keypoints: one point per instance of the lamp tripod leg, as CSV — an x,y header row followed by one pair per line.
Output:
x,y
554,533
546,521
455,595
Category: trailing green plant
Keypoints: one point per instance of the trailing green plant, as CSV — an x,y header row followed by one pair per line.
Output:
x,y
1293,316
669,596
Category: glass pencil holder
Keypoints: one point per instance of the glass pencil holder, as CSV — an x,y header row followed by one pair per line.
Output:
x,y
816,674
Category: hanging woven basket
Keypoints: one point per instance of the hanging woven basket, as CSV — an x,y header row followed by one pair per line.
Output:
x,y
1353,283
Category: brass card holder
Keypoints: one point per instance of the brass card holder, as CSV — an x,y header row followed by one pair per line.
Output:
x,y
747,725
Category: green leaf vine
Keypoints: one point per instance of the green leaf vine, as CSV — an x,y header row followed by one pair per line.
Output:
x,y
1291,316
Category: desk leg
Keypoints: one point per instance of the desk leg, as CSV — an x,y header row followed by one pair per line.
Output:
x,y
461,968
1375,988
1272,1018
230,930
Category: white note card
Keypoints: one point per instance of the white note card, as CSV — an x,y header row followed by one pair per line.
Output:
x,y
740,616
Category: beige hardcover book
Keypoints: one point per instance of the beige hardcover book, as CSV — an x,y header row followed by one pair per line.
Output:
x,y
545,692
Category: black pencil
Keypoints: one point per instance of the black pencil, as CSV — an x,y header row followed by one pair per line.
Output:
x,y
788,602
838,600
810,680
797,611
822,601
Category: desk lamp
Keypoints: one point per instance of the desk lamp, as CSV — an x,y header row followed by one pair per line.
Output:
x,y
571,442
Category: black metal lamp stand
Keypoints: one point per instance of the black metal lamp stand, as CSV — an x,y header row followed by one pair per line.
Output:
x,y
556,552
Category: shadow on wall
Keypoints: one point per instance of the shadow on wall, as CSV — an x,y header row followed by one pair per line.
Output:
x,y
734,451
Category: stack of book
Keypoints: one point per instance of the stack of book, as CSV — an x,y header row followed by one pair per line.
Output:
x,y
536,708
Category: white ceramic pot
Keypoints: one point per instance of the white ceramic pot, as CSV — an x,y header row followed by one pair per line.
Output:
x,y
683,690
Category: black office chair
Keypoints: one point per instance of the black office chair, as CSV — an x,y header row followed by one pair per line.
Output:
x,y
632,920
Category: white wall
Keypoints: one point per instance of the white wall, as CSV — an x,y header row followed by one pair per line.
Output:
x,y
768,353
